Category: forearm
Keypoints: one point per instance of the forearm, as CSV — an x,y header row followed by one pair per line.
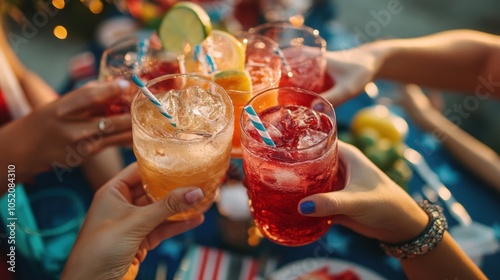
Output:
x,y
452,60
36,89
16,151
103,166
473,154
446,261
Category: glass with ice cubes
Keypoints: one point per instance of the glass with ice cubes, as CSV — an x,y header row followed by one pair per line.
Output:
x,y
303,162
194,153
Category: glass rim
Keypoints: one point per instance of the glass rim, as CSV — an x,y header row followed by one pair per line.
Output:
x,y
61,192
158,79
275,81
241,34
333,118
286,24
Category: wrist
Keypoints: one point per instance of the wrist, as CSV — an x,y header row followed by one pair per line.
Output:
x,y
426,241
386,54
381,51
412,221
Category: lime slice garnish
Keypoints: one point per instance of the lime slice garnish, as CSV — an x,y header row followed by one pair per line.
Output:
x,y
234,79
184,23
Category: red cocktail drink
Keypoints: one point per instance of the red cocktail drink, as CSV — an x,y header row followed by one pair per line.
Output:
x,y
303,49
304,162
128,57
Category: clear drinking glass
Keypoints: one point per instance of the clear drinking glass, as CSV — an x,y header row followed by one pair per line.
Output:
x,y
264,66
197,151
304,162
133,55
304,51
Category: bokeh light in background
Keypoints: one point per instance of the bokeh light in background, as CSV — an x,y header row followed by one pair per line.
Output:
x,y
60,32
59,4
96,6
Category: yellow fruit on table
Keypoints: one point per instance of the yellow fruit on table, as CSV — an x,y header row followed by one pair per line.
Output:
x,y
379,117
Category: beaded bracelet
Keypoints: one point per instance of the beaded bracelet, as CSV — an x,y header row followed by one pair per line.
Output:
x,y
426,241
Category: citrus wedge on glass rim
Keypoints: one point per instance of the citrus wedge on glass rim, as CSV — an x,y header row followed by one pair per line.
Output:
x,y
185,23
225,50
234,79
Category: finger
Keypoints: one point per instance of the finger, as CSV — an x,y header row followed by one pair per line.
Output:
x,y
88,96
337,95
169,229
129,178
175,202
121,139
114,124
99,127
120,186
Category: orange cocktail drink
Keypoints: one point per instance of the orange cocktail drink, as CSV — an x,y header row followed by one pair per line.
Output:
x,y
243,64
263,65
194,153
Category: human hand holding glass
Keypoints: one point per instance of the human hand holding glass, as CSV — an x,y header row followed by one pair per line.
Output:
x,y
372,204
121,212
72,125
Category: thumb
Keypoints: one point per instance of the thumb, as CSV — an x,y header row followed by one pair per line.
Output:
x,y
175,202
327,204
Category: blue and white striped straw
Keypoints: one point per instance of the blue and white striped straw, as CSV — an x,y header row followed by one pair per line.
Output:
x,y
142,48
284,62
153,99
259,126
205,59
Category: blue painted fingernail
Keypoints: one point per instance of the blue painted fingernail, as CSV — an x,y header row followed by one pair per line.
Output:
x,y
320,107
307,207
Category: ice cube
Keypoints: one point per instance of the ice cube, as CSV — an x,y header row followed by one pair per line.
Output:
x,y
195,109
202,110
191,135
287,180
274,132
310,138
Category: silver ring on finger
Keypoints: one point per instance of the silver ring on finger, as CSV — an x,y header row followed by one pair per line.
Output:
x,y
102,125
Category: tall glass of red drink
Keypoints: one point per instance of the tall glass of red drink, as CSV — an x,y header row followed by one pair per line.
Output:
x,y
304,162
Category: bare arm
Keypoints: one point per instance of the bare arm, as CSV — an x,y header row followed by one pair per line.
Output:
x,y
473,154
446,261
376,207
460,60
100,168
37,91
